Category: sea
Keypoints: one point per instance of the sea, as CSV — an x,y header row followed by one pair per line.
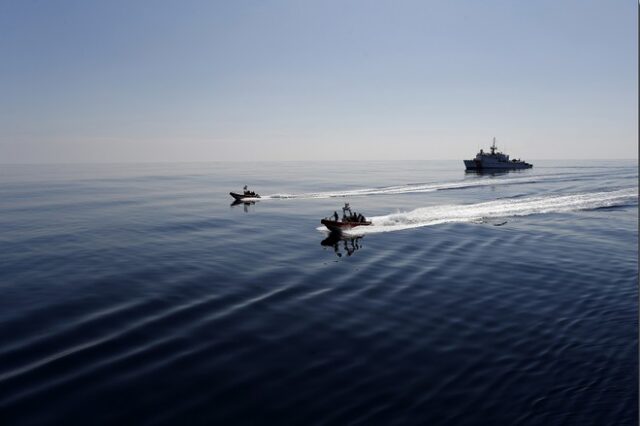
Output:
x,y
140,294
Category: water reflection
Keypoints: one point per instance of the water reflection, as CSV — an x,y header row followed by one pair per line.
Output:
x,y
245,204
494,172
342,244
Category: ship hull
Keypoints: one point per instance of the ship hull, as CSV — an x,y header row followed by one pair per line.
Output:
x,y
239,197
335,226
481,165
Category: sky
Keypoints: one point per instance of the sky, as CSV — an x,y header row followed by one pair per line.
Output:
x,y
138,81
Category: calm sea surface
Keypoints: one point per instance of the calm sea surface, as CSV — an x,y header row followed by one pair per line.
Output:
x,y
136,294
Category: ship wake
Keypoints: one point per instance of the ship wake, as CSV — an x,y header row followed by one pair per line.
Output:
x,y
409,188
482,212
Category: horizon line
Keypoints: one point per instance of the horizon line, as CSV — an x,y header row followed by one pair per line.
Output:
x,y
35,163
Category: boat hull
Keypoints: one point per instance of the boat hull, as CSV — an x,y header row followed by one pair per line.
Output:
x,y
335,226
507,165
242,196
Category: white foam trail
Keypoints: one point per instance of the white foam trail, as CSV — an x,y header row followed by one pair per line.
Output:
x,y
434,215
410,188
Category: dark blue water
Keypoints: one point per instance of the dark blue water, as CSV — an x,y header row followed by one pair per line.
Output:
x,y
137,294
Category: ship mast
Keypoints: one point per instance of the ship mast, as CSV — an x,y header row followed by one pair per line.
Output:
x,y
493,147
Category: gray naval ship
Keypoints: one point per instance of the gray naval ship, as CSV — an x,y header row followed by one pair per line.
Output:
x,y
495,161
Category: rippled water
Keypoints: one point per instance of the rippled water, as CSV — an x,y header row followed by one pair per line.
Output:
x,y
137,294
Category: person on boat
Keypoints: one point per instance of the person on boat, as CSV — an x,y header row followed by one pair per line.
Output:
x,y
335,215
246,190
346,209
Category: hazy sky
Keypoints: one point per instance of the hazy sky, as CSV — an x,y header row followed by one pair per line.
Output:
x,y
286,80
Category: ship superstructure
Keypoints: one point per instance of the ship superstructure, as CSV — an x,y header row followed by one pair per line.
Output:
x,y
495,160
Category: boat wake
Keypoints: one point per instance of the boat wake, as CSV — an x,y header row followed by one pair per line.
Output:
x,y
408,189
481,212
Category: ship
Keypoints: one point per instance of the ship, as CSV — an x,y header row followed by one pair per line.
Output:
x,y
495,161
246,194
240,197
349,220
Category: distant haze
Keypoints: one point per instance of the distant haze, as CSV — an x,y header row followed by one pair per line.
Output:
x,y
122,81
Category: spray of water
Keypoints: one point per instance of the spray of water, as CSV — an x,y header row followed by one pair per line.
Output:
x,y
409,188
434,215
